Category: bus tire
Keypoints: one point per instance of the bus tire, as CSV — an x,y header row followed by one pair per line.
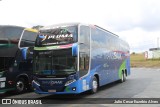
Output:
x,y
94,85
20,86
123,77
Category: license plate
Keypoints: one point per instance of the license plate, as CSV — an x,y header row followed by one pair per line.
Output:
x,y
2,84
51,90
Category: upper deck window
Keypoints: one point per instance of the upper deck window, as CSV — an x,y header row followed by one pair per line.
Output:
x,y
56,36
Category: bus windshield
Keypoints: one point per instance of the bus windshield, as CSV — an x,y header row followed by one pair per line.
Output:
x,y
28,38
56,36
56,62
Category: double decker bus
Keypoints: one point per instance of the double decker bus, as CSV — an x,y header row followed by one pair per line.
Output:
x,y
74,58
16,52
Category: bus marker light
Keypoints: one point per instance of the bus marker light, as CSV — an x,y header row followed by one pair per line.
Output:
x,y
74,88
10,82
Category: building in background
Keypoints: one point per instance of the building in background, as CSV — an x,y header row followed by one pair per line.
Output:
x,y
153,53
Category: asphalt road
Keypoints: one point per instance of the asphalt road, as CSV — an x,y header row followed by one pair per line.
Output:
x,y
142,83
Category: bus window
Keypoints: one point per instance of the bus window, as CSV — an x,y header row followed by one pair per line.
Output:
x,y
28,38
57,36
25,65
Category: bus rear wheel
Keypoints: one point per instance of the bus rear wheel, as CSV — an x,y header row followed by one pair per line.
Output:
x,y
123,77
94,85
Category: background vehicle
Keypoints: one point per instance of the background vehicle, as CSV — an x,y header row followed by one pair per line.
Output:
x,y
16,46
73,58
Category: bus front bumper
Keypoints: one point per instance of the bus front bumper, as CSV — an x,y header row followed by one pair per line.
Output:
x,y
68,90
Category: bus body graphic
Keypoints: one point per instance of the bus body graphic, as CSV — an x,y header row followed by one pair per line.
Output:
x,y
90,58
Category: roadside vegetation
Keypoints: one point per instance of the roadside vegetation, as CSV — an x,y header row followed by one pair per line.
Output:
x,y
138,60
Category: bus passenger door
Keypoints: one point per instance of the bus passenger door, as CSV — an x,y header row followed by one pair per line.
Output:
x,y
84,50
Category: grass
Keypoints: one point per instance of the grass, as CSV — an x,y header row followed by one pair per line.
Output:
x,y
138,60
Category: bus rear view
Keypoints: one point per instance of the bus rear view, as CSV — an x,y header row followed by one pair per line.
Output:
x,y
70,59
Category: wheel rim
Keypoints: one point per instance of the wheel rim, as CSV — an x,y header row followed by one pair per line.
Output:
x,y
95,85
20,86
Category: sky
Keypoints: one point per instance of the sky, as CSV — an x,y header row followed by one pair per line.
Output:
x,y
135,21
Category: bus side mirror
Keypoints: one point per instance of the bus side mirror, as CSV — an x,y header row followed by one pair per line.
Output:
x,y
75,49
24,53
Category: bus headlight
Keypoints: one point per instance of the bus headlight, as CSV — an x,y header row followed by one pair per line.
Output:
x,y
69,82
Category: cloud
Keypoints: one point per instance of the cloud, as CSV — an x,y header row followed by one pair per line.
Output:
x,y
136,21
151,17
142,13
140,40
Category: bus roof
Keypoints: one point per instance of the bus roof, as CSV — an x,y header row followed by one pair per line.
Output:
x,y
76,23
58,25
105,30
11,26
72,24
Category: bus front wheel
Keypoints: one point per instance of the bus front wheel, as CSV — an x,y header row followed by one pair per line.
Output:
x,y
94,85
20,85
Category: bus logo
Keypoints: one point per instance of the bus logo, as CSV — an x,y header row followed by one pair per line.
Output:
x,y
52,82
43,37
55,82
